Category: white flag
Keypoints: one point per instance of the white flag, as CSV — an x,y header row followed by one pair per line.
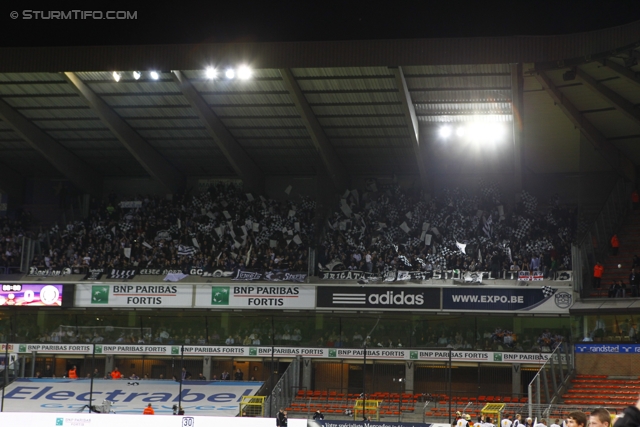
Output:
x,y
405,227
297,239
427,239
226,214
250,197
146,245
127,252
288,190
462,247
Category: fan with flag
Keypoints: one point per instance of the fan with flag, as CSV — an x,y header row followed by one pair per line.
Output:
x,y
547,291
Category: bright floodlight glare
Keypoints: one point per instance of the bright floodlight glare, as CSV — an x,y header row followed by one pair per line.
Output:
x,y
230,73
211,73
116,76
244,73
155,75
460,131
136,75
445,131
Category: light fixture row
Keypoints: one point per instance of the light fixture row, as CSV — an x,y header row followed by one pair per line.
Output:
x,y
211,73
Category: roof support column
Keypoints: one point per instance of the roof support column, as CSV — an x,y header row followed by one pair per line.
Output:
x,y
242,164
622,70
156,166
77,171
412,123
517,110
332,164
620,103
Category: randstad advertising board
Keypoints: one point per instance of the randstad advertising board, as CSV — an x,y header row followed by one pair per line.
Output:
x,y
607,348
260,296
131,295
544,299
129,397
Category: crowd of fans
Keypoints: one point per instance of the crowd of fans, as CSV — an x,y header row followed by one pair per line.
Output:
x,y
391,228
222,228
11,233
376,229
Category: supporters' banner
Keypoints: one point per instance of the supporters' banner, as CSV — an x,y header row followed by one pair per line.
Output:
x,y
254,296
564,276
390,276
133,295
608,348
114,273
131,204
209,272
473,277
378,297
500,299
158,271
48,272
270,276
93,274
30,295
530,276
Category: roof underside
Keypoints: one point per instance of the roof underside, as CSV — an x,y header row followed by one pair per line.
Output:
x,y
359,108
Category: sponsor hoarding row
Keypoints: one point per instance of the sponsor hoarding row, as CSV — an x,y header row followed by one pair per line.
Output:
x,y
266,296
266,351
608,348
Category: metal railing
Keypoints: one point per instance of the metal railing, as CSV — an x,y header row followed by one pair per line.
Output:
x,y
552,377
285,390
593,243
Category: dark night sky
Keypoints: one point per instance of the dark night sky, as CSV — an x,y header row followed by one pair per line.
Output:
x,y
169,22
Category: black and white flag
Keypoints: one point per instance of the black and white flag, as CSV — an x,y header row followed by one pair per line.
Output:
x,y
184,250
488,227
93,274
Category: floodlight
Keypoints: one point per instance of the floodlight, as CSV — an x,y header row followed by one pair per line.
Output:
x,y
445,131
116,76
230,73
244,73
211,73
137,75
155,75
460,131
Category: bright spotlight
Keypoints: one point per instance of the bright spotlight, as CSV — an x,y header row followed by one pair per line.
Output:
x,y
211,73
155,75
445,132
230,73
460,131
137,75
116,76
244,73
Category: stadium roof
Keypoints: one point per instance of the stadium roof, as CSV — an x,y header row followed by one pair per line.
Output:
x,y
342,109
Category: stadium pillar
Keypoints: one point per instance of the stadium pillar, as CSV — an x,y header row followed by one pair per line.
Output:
x,y
408,376
108,364
516,379
517,106
306,374
206,367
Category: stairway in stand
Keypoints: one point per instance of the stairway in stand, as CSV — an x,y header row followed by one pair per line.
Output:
x,y
629,237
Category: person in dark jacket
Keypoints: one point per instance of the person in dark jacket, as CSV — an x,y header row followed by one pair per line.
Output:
x,y
318,415
281,418
631,417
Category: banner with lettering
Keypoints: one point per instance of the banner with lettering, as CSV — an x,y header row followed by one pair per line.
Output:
x,y
256,296
133,295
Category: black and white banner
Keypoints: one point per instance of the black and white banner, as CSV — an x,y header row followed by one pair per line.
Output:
x,y
530,276
270,276
380,297
158,271
209,272
93,274
390,276
114,273
48,272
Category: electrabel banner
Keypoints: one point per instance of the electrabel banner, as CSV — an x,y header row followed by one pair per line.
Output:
x,y
128,397
256,296
133,295
545,299
379,297
607,348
